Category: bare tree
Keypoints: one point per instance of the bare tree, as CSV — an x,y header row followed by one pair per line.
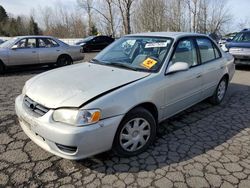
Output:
x,y
150,16
61,22
219,16
125,7
87,5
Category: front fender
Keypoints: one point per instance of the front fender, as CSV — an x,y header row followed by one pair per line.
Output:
x,y
122,100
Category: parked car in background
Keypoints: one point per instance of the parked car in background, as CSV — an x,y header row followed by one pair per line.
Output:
x,y
118,99
37,50
93,43
239,47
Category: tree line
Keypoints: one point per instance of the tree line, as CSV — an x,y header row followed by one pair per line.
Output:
x,y
119,17
10,26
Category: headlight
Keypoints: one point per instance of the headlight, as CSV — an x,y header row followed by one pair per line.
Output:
x,y
77,117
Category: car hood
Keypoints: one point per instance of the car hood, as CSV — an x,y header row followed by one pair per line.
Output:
x,y
74,85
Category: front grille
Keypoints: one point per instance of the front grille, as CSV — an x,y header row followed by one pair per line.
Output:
x,y
35,107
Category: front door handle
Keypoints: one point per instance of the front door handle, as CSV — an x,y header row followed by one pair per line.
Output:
x,y
33,52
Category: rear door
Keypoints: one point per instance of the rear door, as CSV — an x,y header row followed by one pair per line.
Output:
x,y
183,89
49,50
26,52
212,63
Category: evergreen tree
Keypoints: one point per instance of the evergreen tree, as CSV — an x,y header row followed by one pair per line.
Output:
x,y
33,27
3,19
3,14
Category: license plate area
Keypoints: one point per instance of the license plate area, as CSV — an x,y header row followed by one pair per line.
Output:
x,y
31,129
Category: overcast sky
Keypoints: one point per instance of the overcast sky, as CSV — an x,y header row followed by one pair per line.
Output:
x,y
239,8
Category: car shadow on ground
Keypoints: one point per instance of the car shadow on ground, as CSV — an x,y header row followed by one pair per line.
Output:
x,y
199,133
27,70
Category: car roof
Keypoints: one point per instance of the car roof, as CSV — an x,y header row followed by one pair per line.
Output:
x,y
34,36
174,35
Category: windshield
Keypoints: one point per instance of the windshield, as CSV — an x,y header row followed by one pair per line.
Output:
x,y
242,37
8,43
136,53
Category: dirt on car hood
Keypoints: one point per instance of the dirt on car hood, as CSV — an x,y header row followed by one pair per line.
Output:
x,y
74,85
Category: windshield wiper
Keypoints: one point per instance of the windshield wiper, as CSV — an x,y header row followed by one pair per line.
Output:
x,y
122,65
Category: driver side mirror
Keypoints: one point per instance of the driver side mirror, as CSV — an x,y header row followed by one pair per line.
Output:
x,y
177,67
14,47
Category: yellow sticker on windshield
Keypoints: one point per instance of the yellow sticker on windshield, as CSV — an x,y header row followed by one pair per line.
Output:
x,y
148,63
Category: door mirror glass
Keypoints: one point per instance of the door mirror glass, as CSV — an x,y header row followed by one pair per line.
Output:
x,y
14,47
177,67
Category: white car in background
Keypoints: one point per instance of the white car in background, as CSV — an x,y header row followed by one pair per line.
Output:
x,y
37,50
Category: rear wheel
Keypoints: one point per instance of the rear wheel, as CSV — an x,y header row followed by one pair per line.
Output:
x,y
135,133
64,60
220,92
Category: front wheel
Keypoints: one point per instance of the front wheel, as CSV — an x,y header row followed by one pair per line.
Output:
x,y
220,92
64,60
135,133
1,67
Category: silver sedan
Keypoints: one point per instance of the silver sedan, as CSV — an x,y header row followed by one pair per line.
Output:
x,y
36,50
117,100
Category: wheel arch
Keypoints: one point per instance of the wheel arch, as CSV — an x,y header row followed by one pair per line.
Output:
x,y
151,107
64,55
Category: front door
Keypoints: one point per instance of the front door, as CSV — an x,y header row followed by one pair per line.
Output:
x,y
25,53
183,89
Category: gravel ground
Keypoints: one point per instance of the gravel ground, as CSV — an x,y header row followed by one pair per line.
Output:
x,y
204,146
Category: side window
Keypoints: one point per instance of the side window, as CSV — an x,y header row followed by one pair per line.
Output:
x,y
27,43
21,43
207,50
42,43
53,43
47,43
31,43
217,52
185,52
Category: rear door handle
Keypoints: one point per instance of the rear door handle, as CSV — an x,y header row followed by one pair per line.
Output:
x,y
58,50
198,76
33,52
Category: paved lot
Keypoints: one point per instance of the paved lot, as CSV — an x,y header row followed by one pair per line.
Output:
x,y
205,146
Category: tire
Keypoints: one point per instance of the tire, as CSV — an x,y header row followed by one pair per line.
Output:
x,y
2,68
63,60
220,92
135,133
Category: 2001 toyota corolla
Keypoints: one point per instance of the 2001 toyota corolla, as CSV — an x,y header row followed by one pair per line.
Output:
x,y
117,100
